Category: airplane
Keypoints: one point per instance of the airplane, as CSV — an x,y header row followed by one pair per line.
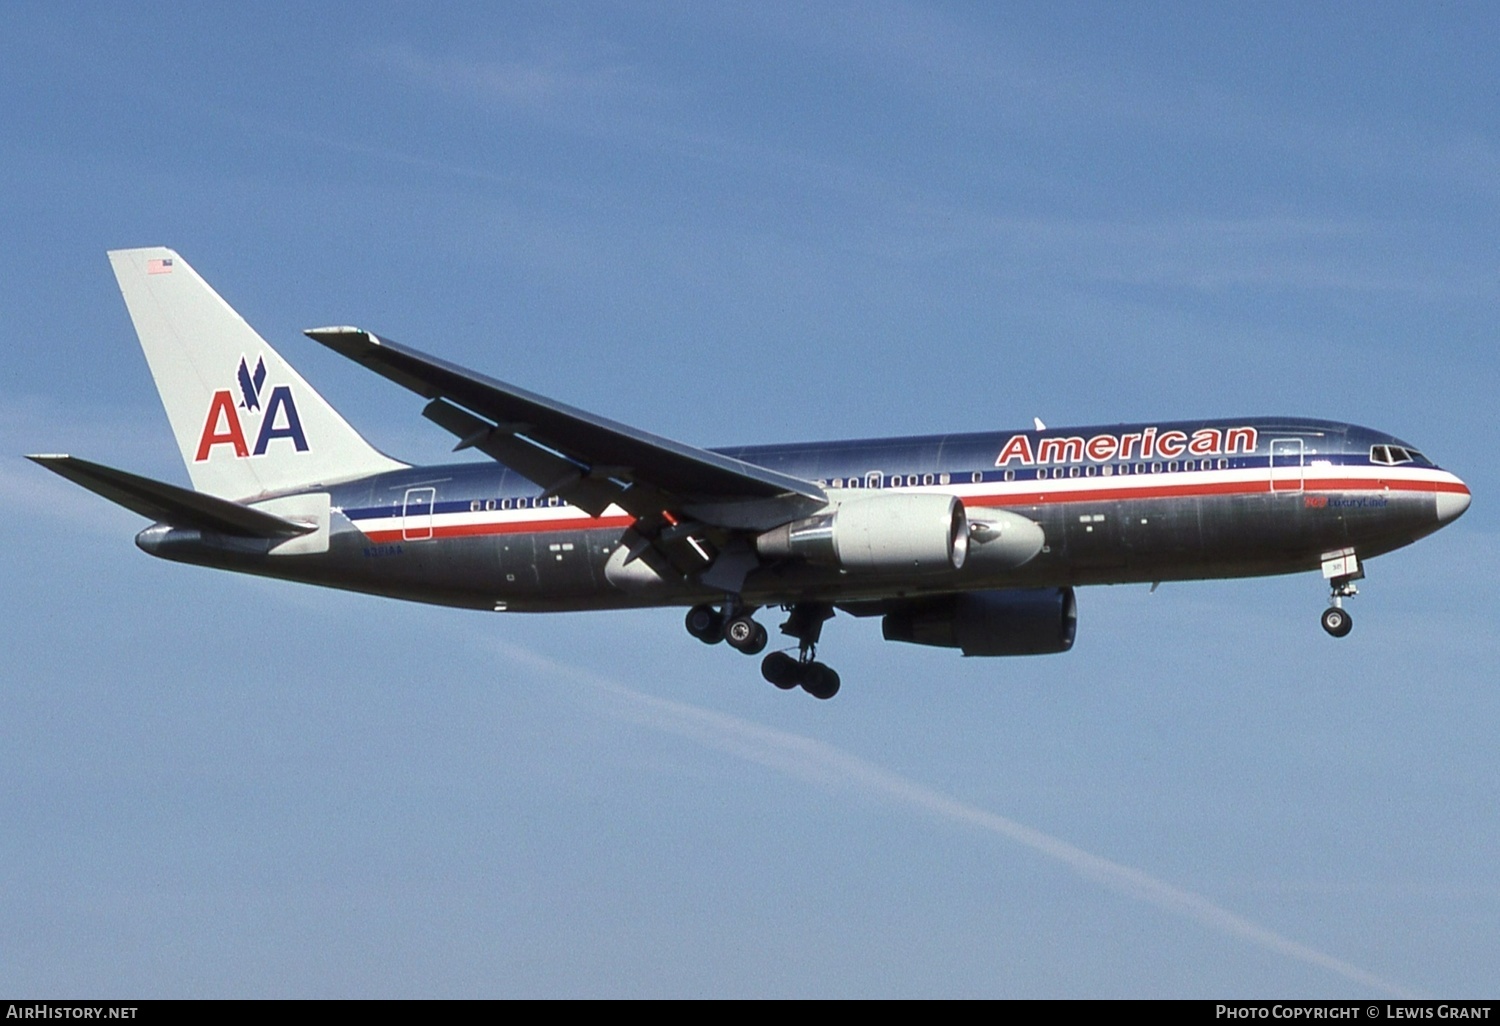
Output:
x,y
974,542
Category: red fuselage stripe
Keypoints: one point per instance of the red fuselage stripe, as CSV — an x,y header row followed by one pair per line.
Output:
x,y
1185,491
1006,499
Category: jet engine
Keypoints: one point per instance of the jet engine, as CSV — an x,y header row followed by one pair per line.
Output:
x,y
1015,621
888,533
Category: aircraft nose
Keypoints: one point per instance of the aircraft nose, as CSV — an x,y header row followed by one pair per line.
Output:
x,y
1451,504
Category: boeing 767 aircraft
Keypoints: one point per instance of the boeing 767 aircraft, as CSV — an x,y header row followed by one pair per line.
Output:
x,y
967,541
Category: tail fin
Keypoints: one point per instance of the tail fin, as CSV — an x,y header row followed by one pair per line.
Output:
x,y
246,422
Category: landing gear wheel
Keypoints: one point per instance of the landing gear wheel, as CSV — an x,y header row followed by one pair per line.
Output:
x,y
745,634
820,681
782,670
705,624
1337,622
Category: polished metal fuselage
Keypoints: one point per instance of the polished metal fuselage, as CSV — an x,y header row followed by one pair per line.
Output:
x,y
1278,499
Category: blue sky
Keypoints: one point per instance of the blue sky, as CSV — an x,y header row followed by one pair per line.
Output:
x,y
738,224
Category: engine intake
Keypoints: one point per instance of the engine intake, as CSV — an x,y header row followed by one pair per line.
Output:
x,y
907,533
1015,621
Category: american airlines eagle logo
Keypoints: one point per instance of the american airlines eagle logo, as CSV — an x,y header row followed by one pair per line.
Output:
x,y
250,384
225,426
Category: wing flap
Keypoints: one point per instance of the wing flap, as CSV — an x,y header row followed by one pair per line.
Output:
x,y
556,474
180,507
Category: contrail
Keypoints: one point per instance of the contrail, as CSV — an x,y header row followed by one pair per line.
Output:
x,y
818,762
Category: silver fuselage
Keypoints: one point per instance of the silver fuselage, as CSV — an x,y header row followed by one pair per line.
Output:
x,y
1286,494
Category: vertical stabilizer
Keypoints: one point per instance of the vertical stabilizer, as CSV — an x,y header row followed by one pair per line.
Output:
x,y
246,422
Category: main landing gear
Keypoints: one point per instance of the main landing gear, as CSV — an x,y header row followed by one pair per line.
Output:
x,y
780,668
734,625
737,626
787,672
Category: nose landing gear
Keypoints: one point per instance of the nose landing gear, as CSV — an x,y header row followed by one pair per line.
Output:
x,y
1341,569
1337,621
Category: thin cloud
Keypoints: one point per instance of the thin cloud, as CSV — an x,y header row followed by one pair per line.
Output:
x,y
537,83
818,762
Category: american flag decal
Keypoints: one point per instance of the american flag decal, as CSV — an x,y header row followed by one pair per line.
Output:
x,y
159,266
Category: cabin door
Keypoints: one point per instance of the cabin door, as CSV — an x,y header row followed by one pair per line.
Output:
x,y
1286,464
416,514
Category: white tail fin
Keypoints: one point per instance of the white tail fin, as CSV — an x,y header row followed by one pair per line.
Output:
x,y
246,422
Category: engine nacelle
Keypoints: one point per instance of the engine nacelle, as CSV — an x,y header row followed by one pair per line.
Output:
x,y
1016,621
887,533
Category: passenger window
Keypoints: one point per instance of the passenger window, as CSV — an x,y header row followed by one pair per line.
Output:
x,y
838,482
1172,466
977,477
1088,471
943,479
1156,468
474,506
1010,475
1072,471
927,479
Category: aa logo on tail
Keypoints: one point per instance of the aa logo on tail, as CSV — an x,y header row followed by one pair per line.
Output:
x,y
278,419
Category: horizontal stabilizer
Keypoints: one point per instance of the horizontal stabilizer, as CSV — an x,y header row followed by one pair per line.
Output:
x,y
170,504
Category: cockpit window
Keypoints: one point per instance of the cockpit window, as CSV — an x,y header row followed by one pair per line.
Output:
x,y
1390,455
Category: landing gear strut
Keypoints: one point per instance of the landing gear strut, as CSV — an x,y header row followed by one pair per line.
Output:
x,y
781,669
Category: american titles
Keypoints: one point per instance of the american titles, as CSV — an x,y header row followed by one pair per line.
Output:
x,y
1145,444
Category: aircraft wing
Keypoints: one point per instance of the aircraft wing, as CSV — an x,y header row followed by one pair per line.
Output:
x,y
588,460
